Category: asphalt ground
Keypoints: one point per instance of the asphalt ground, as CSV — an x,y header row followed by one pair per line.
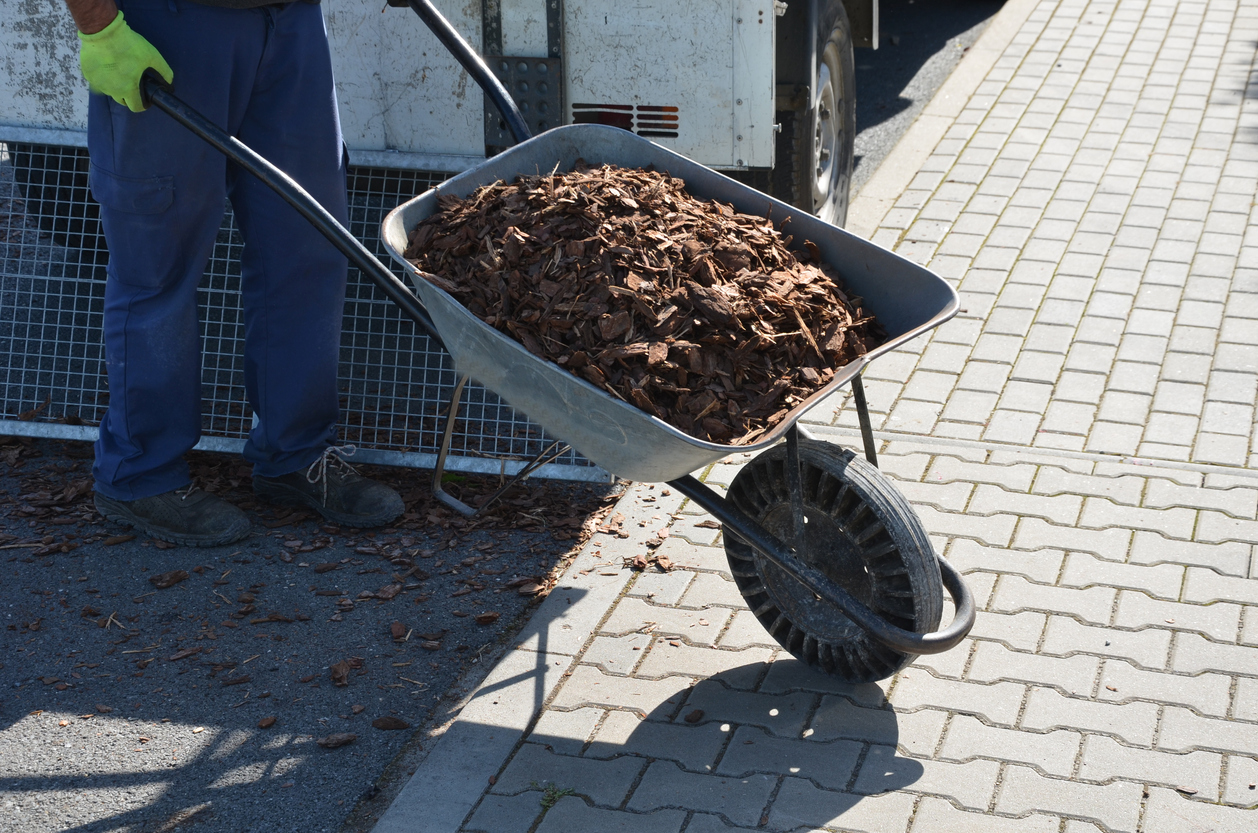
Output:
x,y
125,706
921,42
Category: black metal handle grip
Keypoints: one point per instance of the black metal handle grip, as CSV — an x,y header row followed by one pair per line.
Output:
x,y
156,92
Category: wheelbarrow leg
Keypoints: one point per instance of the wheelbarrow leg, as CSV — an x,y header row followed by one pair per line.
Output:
x,y
443,450
795,487
551,452
862,413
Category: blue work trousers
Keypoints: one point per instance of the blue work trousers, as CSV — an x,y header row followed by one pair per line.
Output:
x,y
265,76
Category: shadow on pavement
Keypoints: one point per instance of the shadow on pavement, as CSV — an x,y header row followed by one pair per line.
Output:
x,y
912,31
718,747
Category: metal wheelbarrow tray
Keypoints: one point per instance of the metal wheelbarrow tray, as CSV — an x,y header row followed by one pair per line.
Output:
x,y
829,556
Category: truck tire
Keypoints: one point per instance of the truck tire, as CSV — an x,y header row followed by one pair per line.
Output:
x,y
813,165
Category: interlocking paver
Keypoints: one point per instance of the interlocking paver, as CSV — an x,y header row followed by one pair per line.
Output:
x,y
920,731
1093,604
688,556
694,747
1214,527
799,802
1115,805
506,813
603,782
936,814
992,662
566,732
1133,722
1105,759
1040,566
830,764
708,823
1147,647
738,669
1183,731
710,591
1053,752
1099,513
662,588
636,616
1083,570
741,800
1194,653
1019,631
617,654
572,815
1015,477
782,714
1242,775
1219,621
1034,533
1177,814
1061,509
839,718
1206,586
788,674
996,703
590,686
1229,557
969,784
744,630
1246,705
1122,682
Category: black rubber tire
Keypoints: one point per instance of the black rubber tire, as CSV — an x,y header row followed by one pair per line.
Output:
x,y
53,182
860,532
797,162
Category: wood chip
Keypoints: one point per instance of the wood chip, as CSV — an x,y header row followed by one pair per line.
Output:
x,y
702,316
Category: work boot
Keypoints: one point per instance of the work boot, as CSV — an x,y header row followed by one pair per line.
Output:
x,y
334,489
189,516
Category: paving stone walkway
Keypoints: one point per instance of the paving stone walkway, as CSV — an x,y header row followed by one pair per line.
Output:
x,y
1079,441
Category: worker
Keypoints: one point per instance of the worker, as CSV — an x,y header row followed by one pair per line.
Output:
x,y
262,71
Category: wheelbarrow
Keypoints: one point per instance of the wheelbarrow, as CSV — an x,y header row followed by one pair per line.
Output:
x,y
828,555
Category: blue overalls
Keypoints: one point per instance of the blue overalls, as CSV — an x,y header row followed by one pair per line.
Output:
x,y
264,75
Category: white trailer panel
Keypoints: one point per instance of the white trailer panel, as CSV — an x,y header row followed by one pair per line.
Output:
x,y
696,77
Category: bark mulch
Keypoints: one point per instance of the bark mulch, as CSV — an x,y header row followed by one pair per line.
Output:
x,y
687,309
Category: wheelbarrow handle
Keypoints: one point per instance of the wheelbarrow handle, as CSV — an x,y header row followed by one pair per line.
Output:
x,y
157,93
893,637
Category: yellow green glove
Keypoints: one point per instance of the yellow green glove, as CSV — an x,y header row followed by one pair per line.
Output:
x,y
114,59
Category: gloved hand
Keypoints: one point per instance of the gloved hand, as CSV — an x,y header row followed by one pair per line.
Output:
x,y
114,59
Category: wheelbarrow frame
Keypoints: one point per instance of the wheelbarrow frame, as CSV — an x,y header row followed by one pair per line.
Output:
x,y
783,554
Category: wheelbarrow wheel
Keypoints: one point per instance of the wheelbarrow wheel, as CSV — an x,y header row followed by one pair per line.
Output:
x,y
859,531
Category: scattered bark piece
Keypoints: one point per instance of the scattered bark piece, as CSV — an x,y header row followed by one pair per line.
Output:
x,y
337,740
266,722
390,723
167,580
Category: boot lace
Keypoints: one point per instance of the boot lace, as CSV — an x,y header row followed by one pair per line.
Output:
x,y
187,491
334,457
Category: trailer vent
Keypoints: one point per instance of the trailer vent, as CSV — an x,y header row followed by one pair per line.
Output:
x,y
643,119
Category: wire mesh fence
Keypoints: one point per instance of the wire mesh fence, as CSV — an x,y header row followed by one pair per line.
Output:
x,y
395,383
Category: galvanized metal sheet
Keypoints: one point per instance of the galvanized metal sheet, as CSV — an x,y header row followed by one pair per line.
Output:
x,y
907,298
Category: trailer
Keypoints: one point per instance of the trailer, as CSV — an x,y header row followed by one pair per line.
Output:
x,y
759,89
